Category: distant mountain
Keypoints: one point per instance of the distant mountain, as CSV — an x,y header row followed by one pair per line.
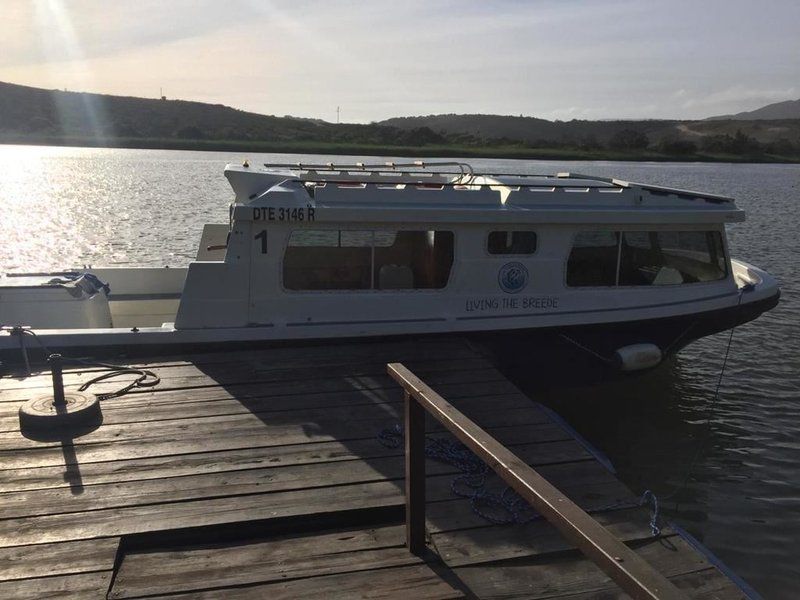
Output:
x,y
28,113
540,133
790,109
532,130
56,112
35,115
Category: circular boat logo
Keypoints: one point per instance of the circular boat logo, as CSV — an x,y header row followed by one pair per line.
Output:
x,y
513,277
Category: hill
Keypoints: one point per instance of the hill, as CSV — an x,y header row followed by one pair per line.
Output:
x,y
532,130
790,109
28,113
39,116
606,133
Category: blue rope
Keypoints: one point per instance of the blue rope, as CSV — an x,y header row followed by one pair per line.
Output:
x,y
391,437
504,508
507,507
650,498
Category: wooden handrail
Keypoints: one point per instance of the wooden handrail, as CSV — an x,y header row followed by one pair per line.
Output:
x,y
630,571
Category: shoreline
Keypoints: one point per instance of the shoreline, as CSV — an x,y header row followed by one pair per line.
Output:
x,y
333,148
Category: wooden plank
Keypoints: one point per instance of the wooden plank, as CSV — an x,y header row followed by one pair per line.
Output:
x,y
46,560
305,420
360,487
453,514
489,543
241,383
83,585
265,479
177,443
249,363
336,380
573,574
210,566
627,569
164,459
197,513
300,392
253,366
238,432
205,390
184,404
416,581
707,584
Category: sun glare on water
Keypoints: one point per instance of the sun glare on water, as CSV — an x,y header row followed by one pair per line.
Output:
x,y
41,208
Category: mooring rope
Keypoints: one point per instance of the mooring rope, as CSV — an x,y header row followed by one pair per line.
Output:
x,y
506,507
586,349
711,412
144,377
502,508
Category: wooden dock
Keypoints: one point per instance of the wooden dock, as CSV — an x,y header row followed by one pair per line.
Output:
x,y
259,474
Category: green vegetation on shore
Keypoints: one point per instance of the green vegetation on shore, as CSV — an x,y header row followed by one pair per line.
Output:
x,y
449,150
53,117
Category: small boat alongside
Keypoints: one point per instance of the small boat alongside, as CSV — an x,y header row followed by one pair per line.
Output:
x,y
630,272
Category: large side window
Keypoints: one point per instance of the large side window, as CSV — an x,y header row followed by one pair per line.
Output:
x,y
511,242
414,260
593,259
647,258
366,260
328,260
671,257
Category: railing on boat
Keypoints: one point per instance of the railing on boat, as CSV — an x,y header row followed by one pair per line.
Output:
x,y
446,171
461,175
631,572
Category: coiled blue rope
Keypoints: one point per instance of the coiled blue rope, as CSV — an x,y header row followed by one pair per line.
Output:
x,y
505,508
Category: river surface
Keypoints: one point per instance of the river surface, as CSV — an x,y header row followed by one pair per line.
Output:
x,y
62,207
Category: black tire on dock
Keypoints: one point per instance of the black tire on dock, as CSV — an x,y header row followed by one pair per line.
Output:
x,y
41,415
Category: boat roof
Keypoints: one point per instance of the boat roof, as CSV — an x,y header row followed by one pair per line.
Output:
x,y
454,185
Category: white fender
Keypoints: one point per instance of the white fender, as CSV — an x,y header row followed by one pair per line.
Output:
x,y
637,357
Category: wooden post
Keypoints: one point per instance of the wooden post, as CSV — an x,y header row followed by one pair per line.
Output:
x,y
415,475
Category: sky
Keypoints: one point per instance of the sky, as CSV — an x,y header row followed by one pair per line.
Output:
x,y
563,59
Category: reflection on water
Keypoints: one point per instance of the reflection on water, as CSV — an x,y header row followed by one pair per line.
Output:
x,y
62,207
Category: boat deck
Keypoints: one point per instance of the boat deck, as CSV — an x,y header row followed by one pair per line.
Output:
x,y
259,474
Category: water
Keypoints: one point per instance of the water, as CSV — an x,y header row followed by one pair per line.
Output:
x,y
63,207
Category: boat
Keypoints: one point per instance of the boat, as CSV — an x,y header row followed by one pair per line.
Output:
x,y
628,272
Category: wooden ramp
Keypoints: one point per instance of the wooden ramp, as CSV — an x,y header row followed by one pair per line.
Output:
x,y
259,474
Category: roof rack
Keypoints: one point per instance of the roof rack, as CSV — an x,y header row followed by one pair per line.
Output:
x,y
657,189
411,172
456,173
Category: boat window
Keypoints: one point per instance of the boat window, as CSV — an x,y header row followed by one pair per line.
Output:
x,y
328,260
637,258
511,242
671,257
365,260
593,259
416,260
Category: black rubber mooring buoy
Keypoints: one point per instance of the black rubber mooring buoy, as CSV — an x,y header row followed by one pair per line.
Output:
x,y
44,414
61,411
